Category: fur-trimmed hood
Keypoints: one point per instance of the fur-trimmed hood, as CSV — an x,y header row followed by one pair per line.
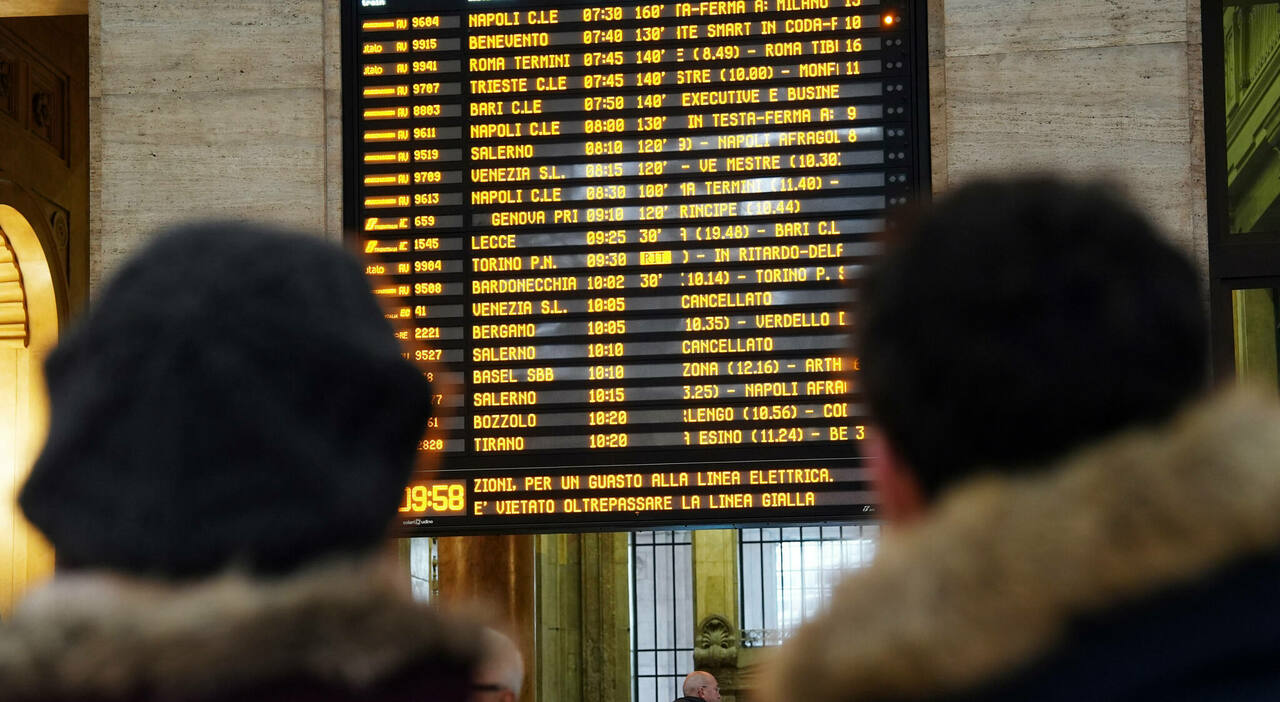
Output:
x,y
345,624
995,576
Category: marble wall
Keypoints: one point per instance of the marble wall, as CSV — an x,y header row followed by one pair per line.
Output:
x,y
1090,87
211,109
233,109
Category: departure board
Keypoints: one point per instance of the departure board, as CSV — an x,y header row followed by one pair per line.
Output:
x,y
623,240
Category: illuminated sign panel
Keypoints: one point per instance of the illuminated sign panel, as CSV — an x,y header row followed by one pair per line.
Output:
x,y
621,238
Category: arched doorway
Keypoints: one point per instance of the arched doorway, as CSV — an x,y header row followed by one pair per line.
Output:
x,y
32,310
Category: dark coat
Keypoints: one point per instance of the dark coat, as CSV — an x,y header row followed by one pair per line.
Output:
x,y
341,632
1144,568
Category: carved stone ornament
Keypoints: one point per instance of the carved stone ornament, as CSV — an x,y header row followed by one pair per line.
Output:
x,y
61,232
42,110
6,80
715,645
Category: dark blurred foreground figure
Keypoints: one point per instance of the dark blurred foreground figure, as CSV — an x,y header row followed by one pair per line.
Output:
x,y
232,426
1071,518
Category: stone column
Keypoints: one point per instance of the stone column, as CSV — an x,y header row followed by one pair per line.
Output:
x,y
583,618
498,573
715,608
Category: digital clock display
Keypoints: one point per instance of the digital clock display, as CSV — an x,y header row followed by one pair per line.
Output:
x,y
437,497
630,234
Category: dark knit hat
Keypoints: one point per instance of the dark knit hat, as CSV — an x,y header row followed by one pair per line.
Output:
x,y
235,397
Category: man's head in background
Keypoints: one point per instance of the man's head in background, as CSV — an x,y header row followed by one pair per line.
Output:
x,y
1014,321
501,672
701,685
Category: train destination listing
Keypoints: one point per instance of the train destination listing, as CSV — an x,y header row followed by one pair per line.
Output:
x,y
623,240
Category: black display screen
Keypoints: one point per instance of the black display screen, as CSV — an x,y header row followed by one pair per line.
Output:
x,y
622,239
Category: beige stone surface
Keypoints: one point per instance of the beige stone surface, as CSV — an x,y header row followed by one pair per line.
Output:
x,y
937,38
333,119
95,44
1194,33
1092,87
1198,223
1198,217
996,26
333,164
247,154
332,45
96,225
1119,112
196,45
95,145
206,109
